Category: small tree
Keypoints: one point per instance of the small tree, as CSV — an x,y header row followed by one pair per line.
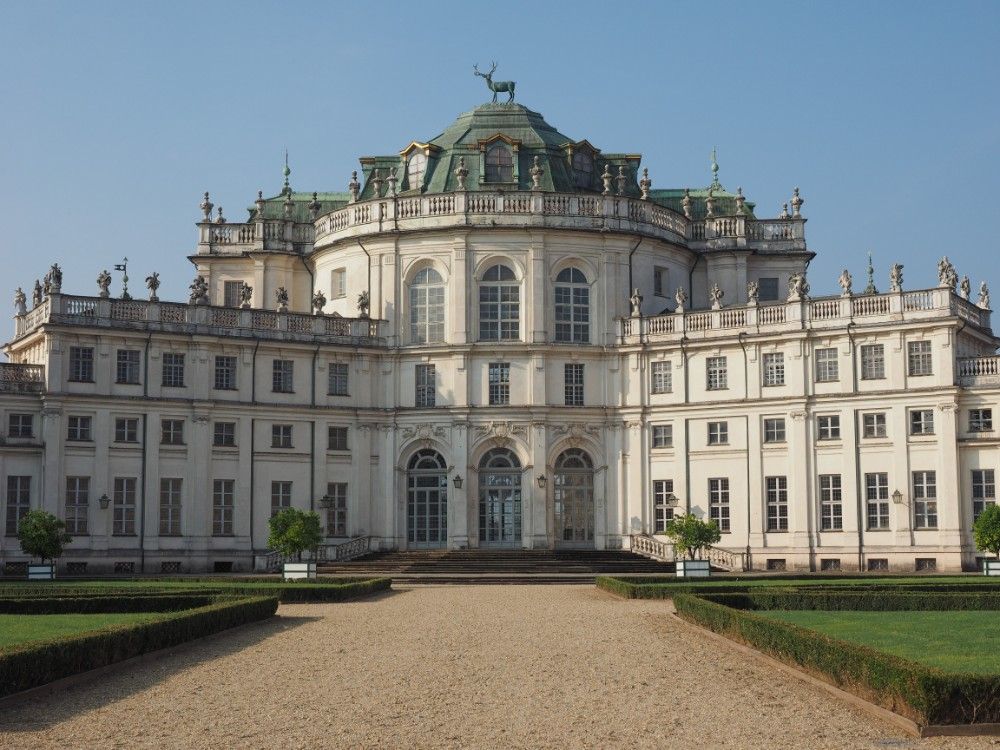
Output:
x,y
42,535
293,531
986,530
690,535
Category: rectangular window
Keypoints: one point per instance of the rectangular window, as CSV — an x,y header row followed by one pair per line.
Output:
x,y
126,430
231,293
77,504
918,358
499,385
173,370
224,434
172,432
170,507
281,436
831,509
767,289
281,497
336,437
774,369
827,369
283,376
872,362
499,311
980,420
123,514
20,425
777,503
774,430
873,425
828,426
79,428
225,373
718,433
337,379
925,499
573,385
718,502
338,283
663,512
663,436
984,490
661,282
922,422
336,512
877,500
661,377
127,367
81,364
716,371
18,502
223,503
425,377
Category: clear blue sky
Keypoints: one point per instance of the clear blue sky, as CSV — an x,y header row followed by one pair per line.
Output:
x,y
118,115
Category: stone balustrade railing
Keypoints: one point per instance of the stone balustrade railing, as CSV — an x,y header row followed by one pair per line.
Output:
x,y
21,378
649,546
269,234
978,370
98,312
825,312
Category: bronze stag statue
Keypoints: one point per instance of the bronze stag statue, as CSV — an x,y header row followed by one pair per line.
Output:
x,y
496,86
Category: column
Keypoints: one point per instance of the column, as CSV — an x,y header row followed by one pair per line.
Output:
x,y
538,498
458,498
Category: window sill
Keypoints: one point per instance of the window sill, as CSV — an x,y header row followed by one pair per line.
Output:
x,y
339,395
225,447
175,446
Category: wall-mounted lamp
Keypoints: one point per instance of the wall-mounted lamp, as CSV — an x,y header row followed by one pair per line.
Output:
x,y
897,498
458,481
104,500
542,479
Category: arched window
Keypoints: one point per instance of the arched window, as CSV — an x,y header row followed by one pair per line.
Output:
x,y
572,307
499,305
499,164
427,500
583,170
415,168
499,498
573,499
426,307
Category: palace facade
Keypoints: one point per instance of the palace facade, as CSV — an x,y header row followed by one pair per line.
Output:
x,y
504,337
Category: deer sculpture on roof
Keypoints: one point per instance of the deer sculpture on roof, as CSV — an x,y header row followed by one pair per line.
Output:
x,y
497,86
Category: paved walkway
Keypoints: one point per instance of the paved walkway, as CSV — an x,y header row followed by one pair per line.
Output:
x,y
454,667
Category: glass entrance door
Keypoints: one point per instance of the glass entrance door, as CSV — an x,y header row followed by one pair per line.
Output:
x,y
499,499
427,501
573,498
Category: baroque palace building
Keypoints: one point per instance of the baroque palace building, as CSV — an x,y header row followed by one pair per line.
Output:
x,y
504,337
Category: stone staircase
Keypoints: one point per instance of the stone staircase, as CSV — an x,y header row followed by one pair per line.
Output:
x,y
498,566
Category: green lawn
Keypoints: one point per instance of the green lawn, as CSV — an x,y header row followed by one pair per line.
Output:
x,y
17,629
955,641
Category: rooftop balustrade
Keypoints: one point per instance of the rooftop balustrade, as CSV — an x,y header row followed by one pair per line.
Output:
x,y
18,378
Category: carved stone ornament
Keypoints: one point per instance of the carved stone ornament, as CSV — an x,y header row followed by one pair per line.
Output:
x,y
753,293
246,293
845,280
36,294
636,302
984,296
536,175
686,203
318,302
645,184
965,288
621,180
715,295
281,298
681,298
20,302
104,284
199,291
354,187
425,433
55,279
798,287
152,284
461,173
502,433
497,87
947,276
606,178
575,434
896,277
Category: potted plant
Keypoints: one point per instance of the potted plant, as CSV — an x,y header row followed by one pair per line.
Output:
x,y
690,535
986,530
294,531
43,535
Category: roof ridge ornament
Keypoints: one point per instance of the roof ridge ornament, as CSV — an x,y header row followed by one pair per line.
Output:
x,y
870,289
716,185
645,184
496,87
286,188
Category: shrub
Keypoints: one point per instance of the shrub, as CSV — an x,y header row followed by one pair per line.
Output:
x,y
878,600
986,530
38,605
42,535
294,531
690,535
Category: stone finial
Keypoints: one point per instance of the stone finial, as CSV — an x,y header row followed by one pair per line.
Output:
x,y
896,277
461,173
870,288
314,207
364,304
715,295
36,294
784,211
288,206
377,183
680,298
797,201
606,178
318,302
281,298
286,189
354,187
686,203
259,203
152,284
645,184
716,185
47,284
620,180
20,302
206,208
740,202
199,291
798,287
947,276
984,296
246,293
965,287
220,219
710,203
104,284
845,280
636,302
392,180
753,293
536,174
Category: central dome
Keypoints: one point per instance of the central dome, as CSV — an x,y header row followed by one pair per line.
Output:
x,y
515,121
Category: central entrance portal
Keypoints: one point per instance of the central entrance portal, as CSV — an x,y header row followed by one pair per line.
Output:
x,y
499,499
426,501
574,500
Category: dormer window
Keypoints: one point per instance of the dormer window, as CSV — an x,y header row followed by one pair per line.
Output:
x,y
499,164
415,168
583,170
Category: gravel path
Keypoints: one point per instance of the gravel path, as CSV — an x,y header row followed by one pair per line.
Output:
x,y
450,667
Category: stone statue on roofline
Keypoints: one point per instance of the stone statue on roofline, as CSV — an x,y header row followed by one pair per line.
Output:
x,y
20,302
636,302
753,293
845,280
364,304
318,302
947,277
246,292
36,294
798,287
965,288
55,279
681,298
984,296
715,295
199,291
46,284
896,277
281,298
104,284
152,284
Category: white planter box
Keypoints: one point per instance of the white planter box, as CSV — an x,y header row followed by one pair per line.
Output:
x,y
991,567
300,571
693,569
41,572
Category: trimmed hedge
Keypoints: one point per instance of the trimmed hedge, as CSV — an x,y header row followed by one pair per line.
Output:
x,y
37,605
924,694
854,600
30,665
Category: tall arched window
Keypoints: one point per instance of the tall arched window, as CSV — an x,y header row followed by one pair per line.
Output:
x,y
572,307
427,500
573,499
499,498
499,164
583,170
415,168
426,307
499,305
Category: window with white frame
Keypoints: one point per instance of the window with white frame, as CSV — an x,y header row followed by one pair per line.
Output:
x,y
173,370
123,513
77,505
573,384
17,502
427,307
231,293
81,364
663,513
338,283
718,502
716,370
922,422
877,500
338,379
984,490
170,506
416,165
773,366
223,506
281,497
20,425
872,362
925,499
873,424
827,369
918,358
776,489
663,436
774,430
499,305
499,164
283,376
336,512
718,433
79,428
425,381
336,438
572,307
225,373
499,383
172,431
831,508
281,436
661,377
980,420
224,434
661,281
127,367
828,427
126,430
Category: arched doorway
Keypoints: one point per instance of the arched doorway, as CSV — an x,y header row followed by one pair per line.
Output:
x,y
573,499
499,499
426,500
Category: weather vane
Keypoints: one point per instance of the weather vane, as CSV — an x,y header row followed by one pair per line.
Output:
x,y
495,86
123,267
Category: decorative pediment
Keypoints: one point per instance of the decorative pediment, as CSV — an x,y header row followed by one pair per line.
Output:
x,y
428,149
583,146
576,433
502,433
485,143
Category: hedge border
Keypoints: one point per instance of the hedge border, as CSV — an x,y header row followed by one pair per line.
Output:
x,y
36,605
862,601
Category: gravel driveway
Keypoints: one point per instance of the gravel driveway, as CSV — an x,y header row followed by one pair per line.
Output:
x,y
450,667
